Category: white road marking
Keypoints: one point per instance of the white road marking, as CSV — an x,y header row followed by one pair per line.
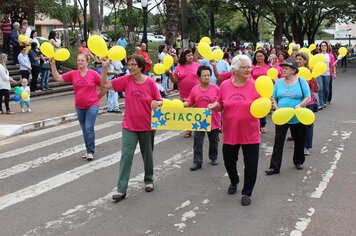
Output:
x,y
326,177
52,157
52,141
184,204
69,176
81,214
302,224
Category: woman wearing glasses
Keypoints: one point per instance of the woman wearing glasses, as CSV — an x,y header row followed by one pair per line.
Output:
x,y
240,128
141,96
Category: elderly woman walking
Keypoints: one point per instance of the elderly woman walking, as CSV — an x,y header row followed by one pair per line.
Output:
x,y
141,96
240,128
289,91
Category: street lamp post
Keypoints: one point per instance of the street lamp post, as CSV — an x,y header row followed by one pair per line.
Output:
x,y
350,39
144,36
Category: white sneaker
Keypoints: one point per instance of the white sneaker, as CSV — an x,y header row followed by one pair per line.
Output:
x,y
22,110
306,152
90,157
28,110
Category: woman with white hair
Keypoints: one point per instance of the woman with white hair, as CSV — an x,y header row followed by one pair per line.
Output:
x,y
240,128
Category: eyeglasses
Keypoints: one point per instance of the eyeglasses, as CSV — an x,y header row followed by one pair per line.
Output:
x,y
132,64
245,67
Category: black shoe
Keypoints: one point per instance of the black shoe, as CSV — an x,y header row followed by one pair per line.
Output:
x,y
195,167
118,197
149,187
214,162
110,111
118,112
232,189
245,200
271,172
299,167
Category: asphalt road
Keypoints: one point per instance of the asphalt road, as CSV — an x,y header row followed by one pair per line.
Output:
x,y
47,189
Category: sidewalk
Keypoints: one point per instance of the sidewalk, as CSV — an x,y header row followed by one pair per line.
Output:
x,y
46,111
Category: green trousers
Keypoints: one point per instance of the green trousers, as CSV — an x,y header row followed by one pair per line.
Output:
x,y
129,143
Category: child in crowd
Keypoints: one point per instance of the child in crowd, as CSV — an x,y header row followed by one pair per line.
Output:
x,y
160,87
113,103
201,96
23,101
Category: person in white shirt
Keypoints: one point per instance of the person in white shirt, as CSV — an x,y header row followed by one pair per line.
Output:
x,y
5,85
25,64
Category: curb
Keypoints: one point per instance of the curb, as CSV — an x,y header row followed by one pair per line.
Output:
x,y
12,130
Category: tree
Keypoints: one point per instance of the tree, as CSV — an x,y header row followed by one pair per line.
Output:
x,y
172,7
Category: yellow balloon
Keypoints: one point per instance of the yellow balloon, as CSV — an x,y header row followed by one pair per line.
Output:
x,y
305,116
24,95
158,69
168,62
117,53
282,115
305,50
97,45
314,59
166,103
205,40
62,54
305,73
205,50
290,51
218,54
272,73
342,51
176,103
319,69
260,107
312,47
47,49
264,86
290,46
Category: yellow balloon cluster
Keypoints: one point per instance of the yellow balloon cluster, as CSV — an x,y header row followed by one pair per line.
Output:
x,y
205,50
290,48
264,87
283,115
342,51
205,40
160,68
312,47
218,54
306,51
305,73
175,103
97,45
60,55
319,69
314,59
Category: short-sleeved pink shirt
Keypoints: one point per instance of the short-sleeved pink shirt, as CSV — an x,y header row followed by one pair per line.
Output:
x,y
187,77
138,98
239,126
257,71
201,98
85,88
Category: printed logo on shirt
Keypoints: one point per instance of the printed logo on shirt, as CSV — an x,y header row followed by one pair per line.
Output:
x,y
82,82
204,99
290,94
138,93
237,97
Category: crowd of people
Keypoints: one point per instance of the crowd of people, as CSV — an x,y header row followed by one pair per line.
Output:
x,y
226,87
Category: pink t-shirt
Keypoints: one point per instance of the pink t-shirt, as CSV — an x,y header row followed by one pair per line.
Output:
x,y
239,126
277,66
201,98
138,98
187,77
227,75
85,88
257,71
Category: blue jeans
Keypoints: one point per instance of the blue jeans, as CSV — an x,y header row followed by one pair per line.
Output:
x,y
323,82
113,103
87,119
165,81
44,79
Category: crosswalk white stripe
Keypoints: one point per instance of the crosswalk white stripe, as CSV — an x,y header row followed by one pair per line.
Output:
x,y
53,141
69,176
70,217
52,157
